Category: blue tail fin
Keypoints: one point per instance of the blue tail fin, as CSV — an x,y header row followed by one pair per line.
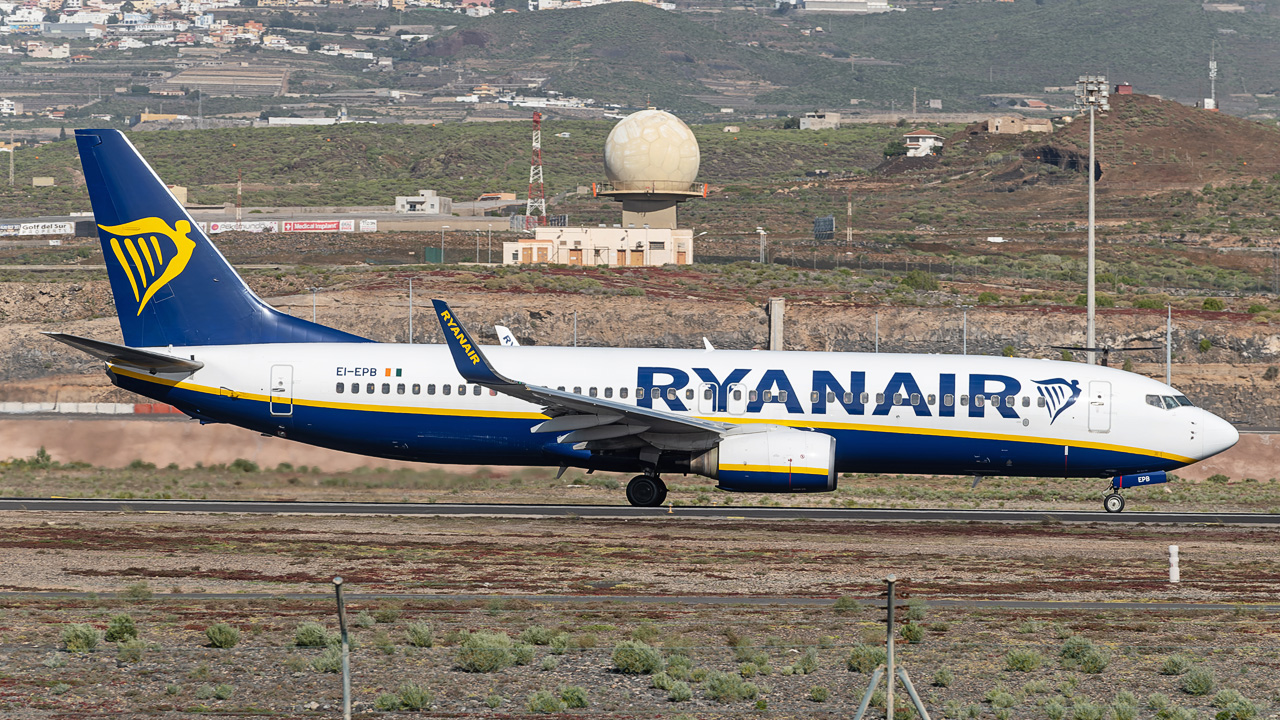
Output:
x,y
171,285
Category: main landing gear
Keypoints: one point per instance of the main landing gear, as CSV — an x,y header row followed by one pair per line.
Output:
x,y
1113,502
646,491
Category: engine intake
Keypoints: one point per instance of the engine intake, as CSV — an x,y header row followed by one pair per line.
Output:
x,y
774,460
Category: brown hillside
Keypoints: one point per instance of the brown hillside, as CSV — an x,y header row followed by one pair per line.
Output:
x,y
1148,142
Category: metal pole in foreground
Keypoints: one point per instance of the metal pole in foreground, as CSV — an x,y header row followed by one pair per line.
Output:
x,y
964,342
877,332
410,311
890,677
346,651
1092,308
1168,347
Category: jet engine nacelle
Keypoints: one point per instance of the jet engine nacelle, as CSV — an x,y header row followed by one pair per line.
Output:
x,y
771,460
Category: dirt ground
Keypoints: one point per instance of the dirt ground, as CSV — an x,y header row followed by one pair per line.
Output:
x,y
771,582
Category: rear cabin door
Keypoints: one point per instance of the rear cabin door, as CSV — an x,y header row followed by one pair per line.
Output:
x,y
281,389
1099,406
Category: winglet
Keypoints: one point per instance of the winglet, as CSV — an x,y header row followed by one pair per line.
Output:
x,y
471,363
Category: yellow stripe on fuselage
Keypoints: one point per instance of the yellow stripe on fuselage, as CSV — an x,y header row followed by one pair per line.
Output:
x,y
817,425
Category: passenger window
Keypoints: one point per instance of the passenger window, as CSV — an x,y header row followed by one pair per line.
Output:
x,y
417,388
979,400
622,393
355,388
782,396
1040,401
462,389
964,400
768,396
915,398
933,400
671,393
948,400
592,392
995,401
561,388
399,388
654,394
737,394
897,398
813,396
879,398
608,392
368,388
848,398
431,389
688,394
753,395
475,389
1026,401
341,387
1010,401
386,388
446,389
577,389
708,394
831,397
865,398
493,393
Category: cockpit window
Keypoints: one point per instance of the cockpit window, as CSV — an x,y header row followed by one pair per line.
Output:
x,y
1155,401
1183,401
1168,402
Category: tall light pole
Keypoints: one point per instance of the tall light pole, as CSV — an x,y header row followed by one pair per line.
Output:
x,y
490,261
762,234
1092,93
442,229
314,290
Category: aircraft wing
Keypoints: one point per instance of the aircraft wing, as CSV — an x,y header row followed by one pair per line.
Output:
x,y
144,360
586,422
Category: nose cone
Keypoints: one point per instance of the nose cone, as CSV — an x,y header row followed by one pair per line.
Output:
x,y
1219,435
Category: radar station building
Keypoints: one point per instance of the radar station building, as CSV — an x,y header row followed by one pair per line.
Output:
x,y
651,162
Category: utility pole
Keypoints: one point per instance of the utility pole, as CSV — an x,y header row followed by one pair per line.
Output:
x,y
848,223
490,243
12,149
239,195
762,234
1168,346
1092,92
913,103
410,311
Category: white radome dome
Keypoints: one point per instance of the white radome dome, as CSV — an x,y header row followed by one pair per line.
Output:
x,y
651,146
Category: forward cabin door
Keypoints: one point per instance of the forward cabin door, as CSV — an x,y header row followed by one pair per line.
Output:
x,y
281,389
706,398
736,402
1099,406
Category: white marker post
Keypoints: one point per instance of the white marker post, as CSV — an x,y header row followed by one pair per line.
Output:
x,y
1175,575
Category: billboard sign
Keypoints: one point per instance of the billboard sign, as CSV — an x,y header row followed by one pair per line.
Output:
x,y
47,228
368,226
319,226
254,226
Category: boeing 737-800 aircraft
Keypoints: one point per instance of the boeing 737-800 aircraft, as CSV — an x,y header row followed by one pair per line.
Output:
x,y
196,336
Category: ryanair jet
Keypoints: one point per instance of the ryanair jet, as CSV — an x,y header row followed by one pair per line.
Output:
x,y
197,337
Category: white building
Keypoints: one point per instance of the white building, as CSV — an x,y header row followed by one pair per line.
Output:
x,y
847,6
426,202
820,121
9,107
614,247
921,143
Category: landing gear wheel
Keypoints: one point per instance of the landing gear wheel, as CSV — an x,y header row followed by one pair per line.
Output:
x,y
662,492
1113,503
645,491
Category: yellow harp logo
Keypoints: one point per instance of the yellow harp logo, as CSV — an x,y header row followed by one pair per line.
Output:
x,y
151,253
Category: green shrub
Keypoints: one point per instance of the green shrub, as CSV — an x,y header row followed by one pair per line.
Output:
x,y
680,692
1083,710
1213,305
1218,479
846,604
222,636
988,298
819,694
330,661
80,638
543,701
310,634
387,702
808,662
138,590
1076,646
382,641
1023,660
522,653
920,280
560,643
747,670
1158,702
1255,309
537,635
244,466
661,681
419,634
999,697
1198,681
223,692
912,632
493,701
645,632
1225,697
414,697
386,615
865,658
1205,345
130,651
121,628
1175,665
549,663
1055,710
915,610
573,696
726,688
636,658
364,620
1094,661
1124,711
943,678
485,652
204,692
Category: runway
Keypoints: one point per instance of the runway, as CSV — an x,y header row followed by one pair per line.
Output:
x,y
626,512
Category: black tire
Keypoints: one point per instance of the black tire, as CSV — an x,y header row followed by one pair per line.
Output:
x,y
642,491
1113,503
662,492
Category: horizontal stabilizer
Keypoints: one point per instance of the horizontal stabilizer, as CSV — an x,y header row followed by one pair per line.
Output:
x,y
129,357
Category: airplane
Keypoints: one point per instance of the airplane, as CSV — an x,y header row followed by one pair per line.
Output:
x,y
196,337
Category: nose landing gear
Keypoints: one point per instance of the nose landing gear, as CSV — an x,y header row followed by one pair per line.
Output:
x,y
646,491
1113,503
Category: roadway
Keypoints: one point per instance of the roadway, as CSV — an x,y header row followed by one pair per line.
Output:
x,y
623,512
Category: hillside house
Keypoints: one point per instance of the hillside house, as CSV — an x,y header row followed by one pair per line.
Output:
x,y
1016,124
820,121
922,143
